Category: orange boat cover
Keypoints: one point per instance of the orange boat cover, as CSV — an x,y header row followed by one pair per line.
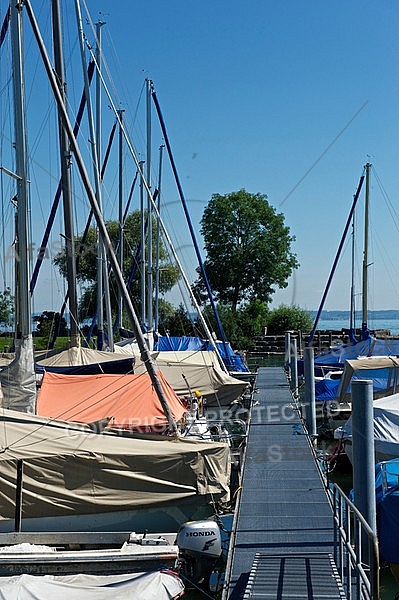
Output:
x,y
130,401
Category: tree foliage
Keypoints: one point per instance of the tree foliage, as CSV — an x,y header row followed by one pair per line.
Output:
x,y
6,306
49,323
248,248
288,318
240,326
177,323
88,255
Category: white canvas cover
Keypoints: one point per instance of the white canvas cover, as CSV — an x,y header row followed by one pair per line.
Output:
x,y
158,585
17,379
198,371
69,469
386,427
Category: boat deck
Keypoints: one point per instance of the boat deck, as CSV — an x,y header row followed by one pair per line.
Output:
x,y
283,537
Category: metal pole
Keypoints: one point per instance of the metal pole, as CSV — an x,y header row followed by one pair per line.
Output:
x,y
363,450
18,496
365,249
65,159
294,368
149,272
310,396
287,354
120,215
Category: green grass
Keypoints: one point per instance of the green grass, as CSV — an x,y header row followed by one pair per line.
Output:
x,y
40,343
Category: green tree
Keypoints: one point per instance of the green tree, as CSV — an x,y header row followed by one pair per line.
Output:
x,y
288,318
240,326
50,322
87,264
6,306
177,323
248,248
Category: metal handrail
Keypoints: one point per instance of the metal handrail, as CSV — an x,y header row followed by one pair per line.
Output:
x,y
356,549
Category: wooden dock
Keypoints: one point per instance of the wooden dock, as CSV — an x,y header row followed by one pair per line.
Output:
x,y
282,543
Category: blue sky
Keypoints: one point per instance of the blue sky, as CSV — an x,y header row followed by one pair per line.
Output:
x,y
289,99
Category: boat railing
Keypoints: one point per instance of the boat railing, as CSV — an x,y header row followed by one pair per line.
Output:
x,y
356,549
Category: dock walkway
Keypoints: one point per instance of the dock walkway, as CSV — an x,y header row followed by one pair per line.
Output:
x,y
283,537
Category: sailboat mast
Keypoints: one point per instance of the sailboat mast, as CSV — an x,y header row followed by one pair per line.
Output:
x,y
352,299
150,318
120,215
23,326
365,249
66,181
158,234
142,248
18,379
100,256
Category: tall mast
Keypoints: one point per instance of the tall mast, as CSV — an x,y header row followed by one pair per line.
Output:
x,y
100,250
120,216
24,318
142,248
65,159
156,295
149,277
18,383
352,299
365,250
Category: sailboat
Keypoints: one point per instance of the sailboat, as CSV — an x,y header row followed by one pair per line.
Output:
x,y
78,477
367,345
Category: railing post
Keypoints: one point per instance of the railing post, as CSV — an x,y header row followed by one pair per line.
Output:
x,y
287,350
310,396
294,368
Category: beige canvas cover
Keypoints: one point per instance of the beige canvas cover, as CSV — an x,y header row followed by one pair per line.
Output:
x,y
365,364
77,356
197,371
69,469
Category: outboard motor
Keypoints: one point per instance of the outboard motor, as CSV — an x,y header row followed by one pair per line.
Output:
x,y
200,546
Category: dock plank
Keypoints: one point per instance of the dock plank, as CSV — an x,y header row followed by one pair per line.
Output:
x,y
283,537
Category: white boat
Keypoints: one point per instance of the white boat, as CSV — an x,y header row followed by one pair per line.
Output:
x,y
157,585
386,429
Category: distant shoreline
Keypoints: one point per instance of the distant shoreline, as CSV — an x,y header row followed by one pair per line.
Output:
x,y
336,315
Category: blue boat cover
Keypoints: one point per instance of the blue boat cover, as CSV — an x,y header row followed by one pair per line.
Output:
x,y
336,356
233,360
388,509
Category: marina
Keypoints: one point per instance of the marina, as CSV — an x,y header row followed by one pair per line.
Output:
x,y
159,451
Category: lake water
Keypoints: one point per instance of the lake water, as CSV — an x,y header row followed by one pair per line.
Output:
x,y
391,324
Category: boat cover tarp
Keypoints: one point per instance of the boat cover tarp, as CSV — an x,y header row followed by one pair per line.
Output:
x,y
17,379
387,499
326,389
84,361
70,470
187,370
158,585
382,370
232,360
130,401
184,342
386,427
370,346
